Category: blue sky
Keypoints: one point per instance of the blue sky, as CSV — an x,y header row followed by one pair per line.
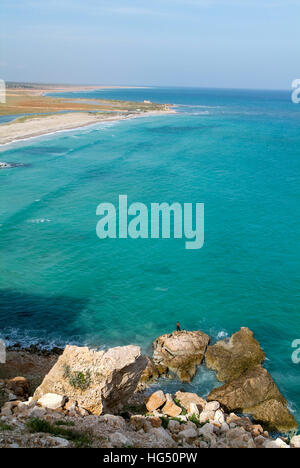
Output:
x,y
209,43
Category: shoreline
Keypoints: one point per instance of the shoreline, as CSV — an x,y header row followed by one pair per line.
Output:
x,y
40,125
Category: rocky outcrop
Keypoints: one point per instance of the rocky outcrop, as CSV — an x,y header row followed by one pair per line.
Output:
x,y
250,393
181,352
151,373
232,357
98,381
274,415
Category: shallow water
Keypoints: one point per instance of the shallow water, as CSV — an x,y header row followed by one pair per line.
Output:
x,y
236,151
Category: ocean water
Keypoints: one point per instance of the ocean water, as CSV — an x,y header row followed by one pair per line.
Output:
x,y
236,151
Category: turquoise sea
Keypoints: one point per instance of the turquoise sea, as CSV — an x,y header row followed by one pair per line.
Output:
x,y
236,151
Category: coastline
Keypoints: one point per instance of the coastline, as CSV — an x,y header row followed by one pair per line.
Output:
x,y
41,126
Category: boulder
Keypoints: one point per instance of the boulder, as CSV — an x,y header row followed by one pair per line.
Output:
x,y
171,409
250,389
155,401
52,401
186,399
232,357
181,352
256,393
19,386
274,415
100,381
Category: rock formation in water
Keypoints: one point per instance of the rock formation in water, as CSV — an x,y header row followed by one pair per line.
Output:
x,y
181,352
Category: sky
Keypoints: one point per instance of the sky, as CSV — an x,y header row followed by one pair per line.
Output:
x,y
205,43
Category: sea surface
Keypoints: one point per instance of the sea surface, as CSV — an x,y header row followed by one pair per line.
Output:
x,y
236,151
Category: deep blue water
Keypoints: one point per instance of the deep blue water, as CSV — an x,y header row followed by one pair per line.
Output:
x,y
237,151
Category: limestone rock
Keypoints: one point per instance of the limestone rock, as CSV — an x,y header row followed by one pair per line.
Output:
x,y
186,399
250,389
52,401
172,410
232,357
150,374
100,381
295,441
155,401
212,406
181,352
19,386
274,415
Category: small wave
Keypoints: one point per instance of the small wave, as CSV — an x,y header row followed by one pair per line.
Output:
x,y
161,289
222,334
39,220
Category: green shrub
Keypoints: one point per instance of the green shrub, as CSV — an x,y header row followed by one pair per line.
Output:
x,y
5,427
78,438
61,422
77,379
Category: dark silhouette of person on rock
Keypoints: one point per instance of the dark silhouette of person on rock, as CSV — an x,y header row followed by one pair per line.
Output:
x,y
178,326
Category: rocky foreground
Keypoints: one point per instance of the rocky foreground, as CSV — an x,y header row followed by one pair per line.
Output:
x,y
88,398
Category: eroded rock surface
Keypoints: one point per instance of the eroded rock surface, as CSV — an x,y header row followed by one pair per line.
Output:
x,y
97,380
232,357
181,352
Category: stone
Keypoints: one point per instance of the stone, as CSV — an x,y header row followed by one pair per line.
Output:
x,y
154,421
206,430
212,406
274,415
230,358
188,434
250,389
207,416
219,417
19,386
119,440
181,352
295,442
278,443
137,421
60,442
100,381
224,427
172,410
186,399
174,426
155,401
36,412
193,408
52,401
116,422
163,439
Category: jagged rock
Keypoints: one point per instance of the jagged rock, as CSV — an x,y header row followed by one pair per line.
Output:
x,y
232,357
150,374
295,441
274,415
219,417
250,389
100,381
155,401
171,409
186,398
181,352
52,401
212,406
163,439
154,421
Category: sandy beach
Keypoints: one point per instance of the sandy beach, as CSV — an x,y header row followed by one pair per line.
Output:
x,y
37,126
